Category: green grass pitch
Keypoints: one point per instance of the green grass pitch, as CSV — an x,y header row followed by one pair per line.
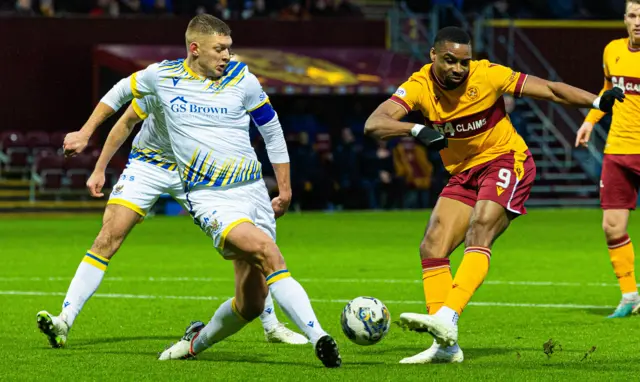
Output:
x,y
550,278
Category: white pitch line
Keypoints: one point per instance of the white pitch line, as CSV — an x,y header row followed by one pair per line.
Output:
x,y
320,301
303,280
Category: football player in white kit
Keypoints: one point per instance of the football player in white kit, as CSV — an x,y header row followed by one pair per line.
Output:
x,y
151,172
208,103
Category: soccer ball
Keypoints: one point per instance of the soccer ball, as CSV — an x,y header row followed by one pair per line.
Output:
x,y
365,320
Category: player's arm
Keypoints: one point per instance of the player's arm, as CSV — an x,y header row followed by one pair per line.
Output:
x,y
137,85
506,80
384,122
117,136
584,132
266,119
562,93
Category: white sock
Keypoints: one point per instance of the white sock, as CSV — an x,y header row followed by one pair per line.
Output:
x,y
84,284
450,349
225,322
630,295
268,317
448,315
295,303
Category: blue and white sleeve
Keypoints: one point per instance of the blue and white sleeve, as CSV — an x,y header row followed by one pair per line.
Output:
x,y
266,119
137,85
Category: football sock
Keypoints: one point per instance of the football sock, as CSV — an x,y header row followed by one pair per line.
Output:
x,y
225,322
469,276
268,316
436,281
84,284
622,259
293,300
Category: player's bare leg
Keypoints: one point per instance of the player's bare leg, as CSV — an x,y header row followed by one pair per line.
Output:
x,y
445,232
248,243
117,222
488,222
614,224
258,248
229,318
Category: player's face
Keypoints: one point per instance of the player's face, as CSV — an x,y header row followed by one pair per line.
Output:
x,y
451,62
214,53
632,21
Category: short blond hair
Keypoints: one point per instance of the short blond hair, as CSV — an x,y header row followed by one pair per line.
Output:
x,y
205,24
633,2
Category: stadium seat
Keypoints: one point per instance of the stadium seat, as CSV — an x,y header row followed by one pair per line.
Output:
x,y
49,166
57,138
14,146
78,170
323,143
37,141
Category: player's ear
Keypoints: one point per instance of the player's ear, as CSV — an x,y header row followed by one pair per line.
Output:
x,y
194,49
432,54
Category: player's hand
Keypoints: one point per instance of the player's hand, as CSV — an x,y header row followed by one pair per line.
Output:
x,y
95,184
609,98
75,143
432,139
280,204
584,133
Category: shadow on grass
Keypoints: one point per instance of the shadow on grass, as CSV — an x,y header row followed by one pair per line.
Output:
x,y
111,340
600,312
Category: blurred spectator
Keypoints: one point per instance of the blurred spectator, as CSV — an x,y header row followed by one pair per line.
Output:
x,y
106,8
294,12
412,165
157,7
320,8
516,117
257,9
24,8
305,9
311,187
382,186
346,8
346,156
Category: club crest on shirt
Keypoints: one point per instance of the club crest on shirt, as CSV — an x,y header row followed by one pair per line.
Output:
x,y
400,92
215,225
117,190
473,93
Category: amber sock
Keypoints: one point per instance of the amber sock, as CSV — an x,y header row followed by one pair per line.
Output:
x,y
469,277
622,259
436,281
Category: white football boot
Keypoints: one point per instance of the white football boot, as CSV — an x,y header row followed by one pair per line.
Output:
x,y
280,334
437,354
445,333
54,327
183,349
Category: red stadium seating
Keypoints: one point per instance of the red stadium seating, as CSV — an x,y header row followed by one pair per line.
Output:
x,y
48,165
57,138
15,147
323,143
78,170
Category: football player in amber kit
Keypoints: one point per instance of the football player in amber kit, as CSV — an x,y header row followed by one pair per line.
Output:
x,y
492,170
621,165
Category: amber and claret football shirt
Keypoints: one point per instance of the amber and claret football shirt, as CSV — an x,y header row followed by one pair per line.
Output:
x,y
472,116
622,69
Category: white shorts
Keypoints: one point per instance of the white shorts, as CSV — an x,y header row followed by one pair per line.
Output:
x,y
140,185
218,211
